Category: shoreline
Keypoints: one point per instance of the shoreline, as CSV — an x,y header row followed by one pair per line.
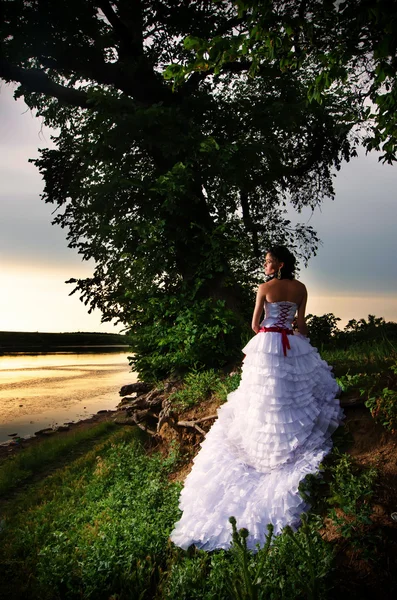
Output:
x,y
9,448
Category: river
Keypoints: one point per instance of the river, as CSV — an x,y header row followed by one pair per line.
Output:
x,y
46,390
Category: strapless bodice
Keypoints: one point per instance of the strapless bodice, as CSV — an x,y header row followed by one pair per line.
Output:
x,y
279,314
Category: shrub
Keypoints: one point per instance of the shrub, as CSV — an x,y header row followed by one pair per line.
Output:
x,y
200,385
383,408
351,490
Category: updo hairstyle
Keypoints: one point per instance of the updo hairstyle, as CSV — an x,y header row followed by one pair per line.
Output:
x,y
282,254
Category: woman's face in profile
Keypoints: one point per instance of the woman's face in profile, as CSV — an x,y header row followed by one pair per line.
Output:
x,y
271,264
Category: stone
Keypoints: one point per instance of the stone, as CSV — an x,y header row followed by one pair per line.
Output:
x,y
47,431
140,387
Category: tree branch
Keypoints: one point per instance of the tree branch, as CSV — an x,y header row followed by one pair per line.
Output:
x,y
131,40
38,81
248,222
311,160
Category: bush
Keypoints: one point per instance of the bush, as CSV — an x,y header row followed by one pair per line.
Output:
x,y
351,490
174,338
200,385
383,408
289,566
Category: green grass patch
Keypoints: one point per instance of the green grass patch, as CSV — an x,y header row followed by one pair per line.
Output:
x,y
201,385
16,469
370,357
98,527
94,528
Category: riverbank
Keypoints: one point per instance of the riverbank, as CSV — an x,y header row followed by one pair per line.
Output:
x,y
96,520
14,446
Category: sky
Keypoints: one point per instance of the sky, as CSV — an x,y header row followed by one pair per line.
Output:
x,y
354,273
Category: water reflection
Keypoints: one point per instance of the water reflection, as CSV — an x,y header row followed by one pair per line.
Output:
x,y
38,391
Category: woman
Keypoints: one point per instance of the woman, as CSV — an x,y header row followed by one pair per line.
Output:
x,y
274,429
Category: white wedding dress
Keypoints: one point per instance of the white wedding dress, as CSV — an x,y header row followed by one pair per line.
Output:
x,y
272,431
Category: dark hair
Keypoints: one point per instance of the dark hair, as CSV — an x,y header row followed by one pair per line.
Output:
x,y
284,255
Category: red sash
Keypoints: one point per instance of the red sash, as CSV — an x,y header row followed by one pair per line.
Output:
x,y
284,336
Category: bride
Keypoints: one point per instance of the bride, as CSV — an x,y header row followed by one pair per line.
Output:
x,y
272,431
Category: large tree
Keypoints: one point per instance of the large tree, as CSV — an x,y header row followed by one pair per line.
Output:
x,y
174,191
351,43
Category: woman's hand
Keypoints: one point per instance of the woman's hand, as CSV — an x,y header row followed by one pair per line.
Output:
x,y
255,328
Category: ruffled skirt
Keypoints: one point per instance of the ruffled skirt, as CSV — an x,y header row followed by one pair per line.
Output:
x,y
273,430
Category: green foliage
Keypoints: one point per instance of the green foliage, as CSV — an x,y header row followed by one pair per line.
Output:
x,y
247,576
174,336
99,527
350,45
348,382
200,385
227,385
351,490
322,329
383,407
173,194
29,461
289,566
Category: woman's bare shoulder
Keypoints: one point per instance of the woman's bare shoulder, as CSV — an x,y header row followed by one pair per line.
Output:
x,y
300,285
262,289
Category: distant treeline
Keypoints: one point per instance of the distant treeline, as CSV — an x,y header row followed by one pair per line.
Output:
x,y
25,341
324,331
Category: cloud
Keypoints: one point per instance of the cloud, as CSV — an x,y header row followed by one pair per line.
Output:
x,y
354,307
358,232
33,299
354,274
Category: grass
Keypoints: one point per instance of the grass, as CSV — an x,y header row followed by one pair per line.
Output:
x,y
199,385
368,357
95,527
28,461
98,527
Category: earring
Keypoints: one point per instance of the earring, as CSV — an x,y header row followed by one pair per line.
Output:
x,y
279,273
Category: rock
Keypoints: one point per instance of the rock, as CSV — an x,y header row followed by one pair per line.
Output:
x,y
124,421
140,387
102,412
47,431
63,428
125,400
150,400
170,385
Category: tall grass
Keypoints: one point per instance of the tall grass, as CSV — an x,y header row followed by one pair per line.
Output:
x,y
99,527
94,528
368,356
18,468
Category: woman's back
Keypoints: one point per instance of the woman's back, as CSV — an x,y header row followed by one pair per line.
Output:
x,y
284,290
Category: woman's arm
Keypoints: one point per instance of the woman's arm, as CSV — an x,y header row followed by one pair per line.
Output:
x,y
302,327
260,300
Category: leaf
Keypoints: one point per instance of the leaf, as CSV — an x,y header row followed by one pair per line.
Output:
x,y
192,42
